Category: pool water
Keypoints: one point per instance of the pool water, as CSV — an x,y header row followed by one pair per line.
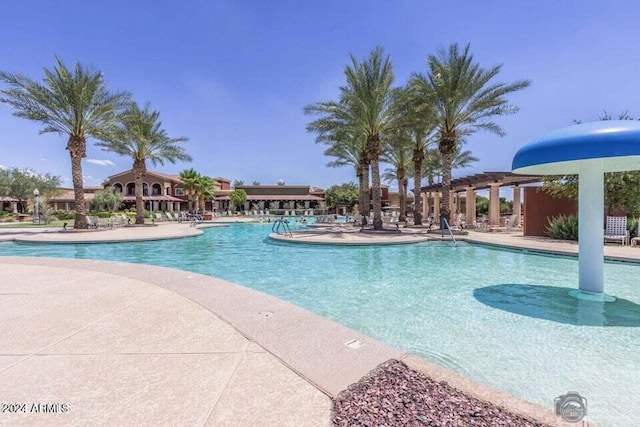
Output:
x,y
500,317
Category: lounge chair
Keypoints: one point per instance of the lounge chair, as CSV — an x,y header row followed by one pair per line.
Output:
x,y
92,222
616,230
511,223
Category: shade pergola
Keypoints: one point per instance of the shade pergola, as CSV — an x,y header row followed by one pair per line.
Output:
x,y
486,180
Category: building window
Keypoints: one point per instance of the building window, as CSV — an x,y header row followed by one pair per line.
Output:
x,y
145,189
179,191
167,191
156,190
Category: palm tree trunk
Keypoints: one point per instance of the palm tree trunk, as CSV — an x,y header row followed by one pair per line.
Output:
x,y
418,157
402,187
366,197
402,192
138,175
447,148
360,190
78,150
374,158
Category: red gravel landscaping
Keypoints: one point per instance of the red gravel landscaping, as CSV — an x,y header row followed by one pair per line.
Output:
x,y
395,395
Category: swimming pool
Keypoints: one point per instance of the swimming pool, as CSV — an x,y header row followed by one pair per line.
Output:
x,y
500,317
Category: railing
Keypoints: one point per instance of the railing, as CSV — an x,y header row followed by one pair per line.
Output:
x,y
446,224
281,224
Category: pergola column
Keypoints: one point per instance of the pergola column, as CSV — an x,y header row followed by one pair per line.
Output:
x,y
471,206
517,209
425,206
494,203
14,207
436,207
452,204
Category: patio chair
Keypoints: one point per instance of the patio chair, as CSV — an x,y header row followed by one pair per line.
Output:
x,y
92,222
511,223
616,230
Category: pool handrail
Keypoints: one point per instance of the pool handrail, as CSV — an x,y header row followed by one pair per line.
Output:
x,y
446,224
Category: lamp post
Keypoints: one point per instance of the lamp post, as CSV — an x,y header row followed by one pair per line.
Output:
x,y
36,196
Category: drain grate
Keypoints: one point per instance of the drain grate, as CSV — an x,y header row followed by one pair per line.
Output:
x,y
354,344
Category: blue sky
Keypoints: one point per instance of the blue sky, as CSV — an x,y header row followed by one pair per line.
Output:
x,y
234,76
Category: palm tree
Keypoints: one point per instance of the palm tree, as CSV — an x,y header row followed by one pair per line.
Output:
x,y
464,101
363,111
397,152
413,113
432,167
142,138
75,103
190,179
204,189
350,151
346,144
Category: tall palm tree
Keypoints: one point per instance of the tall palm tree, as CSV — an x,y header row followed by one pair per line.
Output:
x,y
364,110
369,96
190,180
142,138
397,152
347,144
464,101
72,102
413,113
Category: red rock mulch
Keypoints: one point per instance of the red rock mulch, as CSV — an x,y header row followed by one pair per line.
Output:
x,y
395,395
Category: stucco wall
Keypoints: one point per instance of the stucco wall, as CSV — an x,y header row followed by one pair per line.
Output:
x,y
540,206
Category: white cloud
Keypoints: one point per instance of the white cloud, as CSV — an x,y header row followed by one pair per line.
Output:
x,y
3,167
91,181
101,162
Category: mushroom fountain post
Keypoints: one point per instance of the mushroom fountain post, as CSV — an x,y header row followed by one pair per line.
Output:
x,y
587,150
590,230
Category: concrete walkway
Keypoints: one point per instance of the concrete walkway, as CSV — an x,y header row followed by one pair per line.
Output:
x,y
542,244
123,234
104,349
349,235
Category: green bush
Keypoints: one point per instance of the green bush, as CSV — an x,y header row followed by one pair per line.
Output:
x,y
632,226
103,214
563,227
65,215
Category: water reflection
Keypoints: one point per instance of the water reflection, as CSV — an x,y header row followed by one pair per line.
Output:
x,y
555,304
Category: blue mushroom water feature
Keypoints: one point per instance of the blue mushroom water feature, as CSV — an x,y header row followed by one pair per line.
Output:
x,y
587,150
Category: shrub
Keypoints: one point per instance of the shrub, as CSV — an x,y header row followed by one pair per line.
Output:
x,y
65,215
632,226
563,227
103,214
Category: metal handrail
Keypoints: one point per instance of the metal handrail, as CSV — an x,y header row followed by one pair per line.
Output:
x,y
446,223
285,227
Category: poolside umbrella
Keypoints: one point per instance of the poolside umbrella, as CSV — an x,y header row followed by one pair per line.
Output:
x,y
588,150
